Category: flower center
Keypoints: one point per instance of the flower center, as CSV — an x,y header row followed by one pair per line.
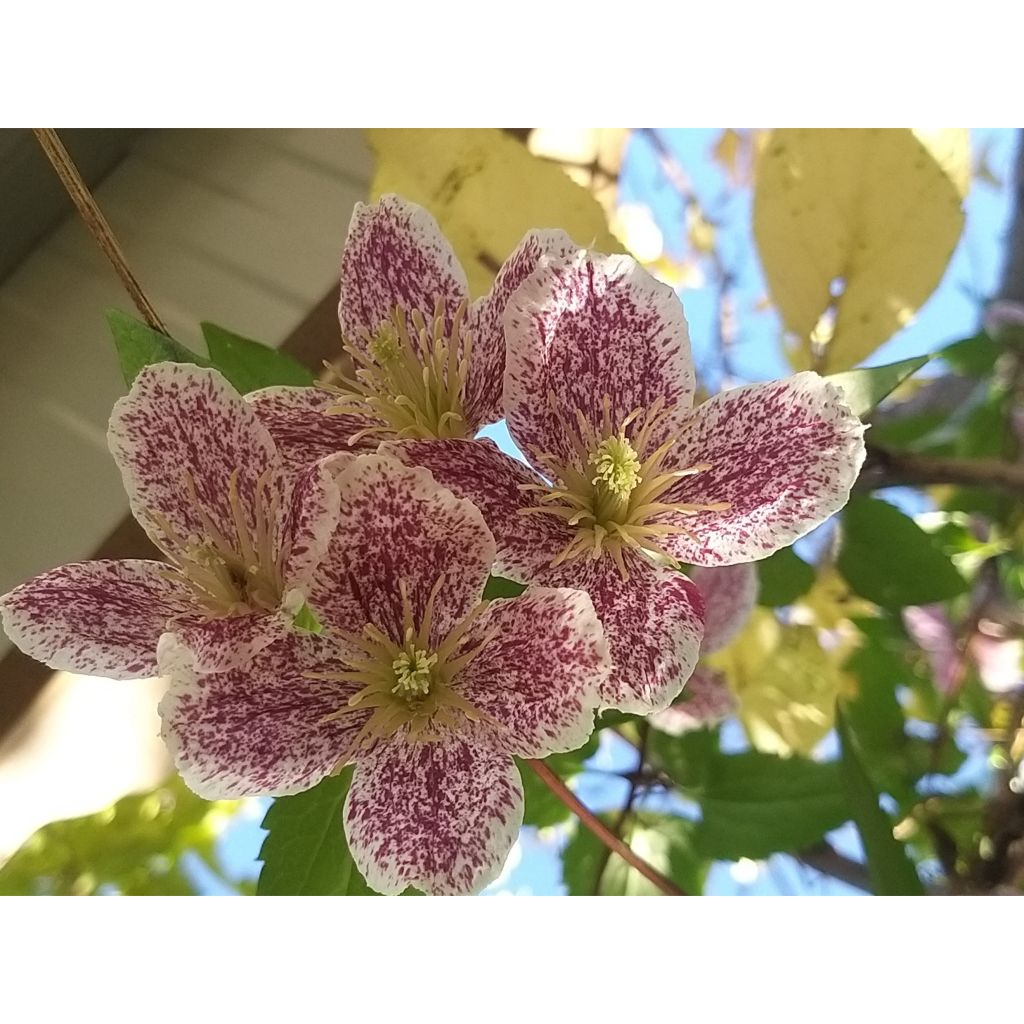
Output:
x,y
407,685
610,492
410,376
235,573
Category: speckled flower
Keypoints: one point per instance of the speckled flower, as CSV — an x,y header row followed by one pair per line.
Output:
x,y
729,593
241,535
627,479
428,361
426,687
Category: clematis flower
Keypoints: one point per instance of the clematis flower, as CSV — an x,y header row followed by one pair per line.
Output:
x,y
729,593
241,536
626,479
428,361
426,687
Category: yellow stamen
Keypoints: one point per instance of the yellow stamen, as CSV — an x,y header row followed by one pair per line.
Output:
x,y
410,376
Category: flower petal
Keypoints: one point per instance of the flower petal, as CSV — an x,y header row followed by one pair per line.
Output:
x,y
491,480
395,255
221,644
730,593
439,816
398,525
97,618
783,454
177,437
301,427
653,624
487,368
705,701
310,520
587,327
258,730
539,676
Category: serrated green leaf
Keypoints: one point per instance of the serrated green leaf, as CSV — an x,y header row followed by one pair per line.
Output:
x,y
755,805
498,586
251,365
864,389
666,843
139,346
887,558
782,578
891,872
305,853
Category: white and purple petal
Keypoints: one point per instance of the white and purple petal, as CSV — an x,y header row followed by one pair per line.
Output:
x,y
487,367
398,527
730,593
395,255
178,437
438,816
494,482
228,642
784,455
588,327
653,623
99,618
301,427
705,701
539,677
257,731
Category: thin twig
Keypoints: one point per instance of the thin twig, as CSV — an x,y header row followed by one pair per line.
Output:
x,y
602,832
96,222
886,468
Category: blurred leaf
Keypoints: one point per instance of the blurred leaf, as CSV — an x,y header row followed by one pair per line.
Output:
x,y
251,365
305,853
786,684
864,389
486,191
306,620
831,602
138,847
543,808
892,873
874,214
887,558
686,759
666,843
974,356
783,577
756,804
139,345
498,586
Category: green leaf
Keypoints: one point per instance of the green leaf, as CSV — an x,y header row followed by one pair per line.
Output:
x,y
973,357
250,365
139,346
542,807
891,872
686,759
305,853
306,620
887,558
782,578
864,389
498,586
756,804
666,843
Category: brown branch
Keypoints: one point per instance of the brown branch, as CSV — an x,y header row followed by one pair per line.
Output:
x,y
886,468
829,861
96,222
602,832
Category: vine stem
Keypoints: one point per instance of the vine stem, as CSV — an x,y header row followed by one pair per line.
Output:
x,y
602,832
96,222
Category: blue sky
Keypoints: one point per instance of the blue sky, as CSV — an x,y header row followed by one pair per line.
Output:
x,y
953,312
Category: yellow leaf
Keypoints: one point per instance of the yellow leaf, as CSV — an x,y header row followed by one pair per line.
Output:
x,y
856,225
727,153
486,191
785,682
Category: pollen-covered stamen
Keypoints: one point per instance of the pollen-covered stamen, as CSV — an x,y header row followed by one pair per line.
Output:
x,y
410,376
234,573
608,491
408,684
